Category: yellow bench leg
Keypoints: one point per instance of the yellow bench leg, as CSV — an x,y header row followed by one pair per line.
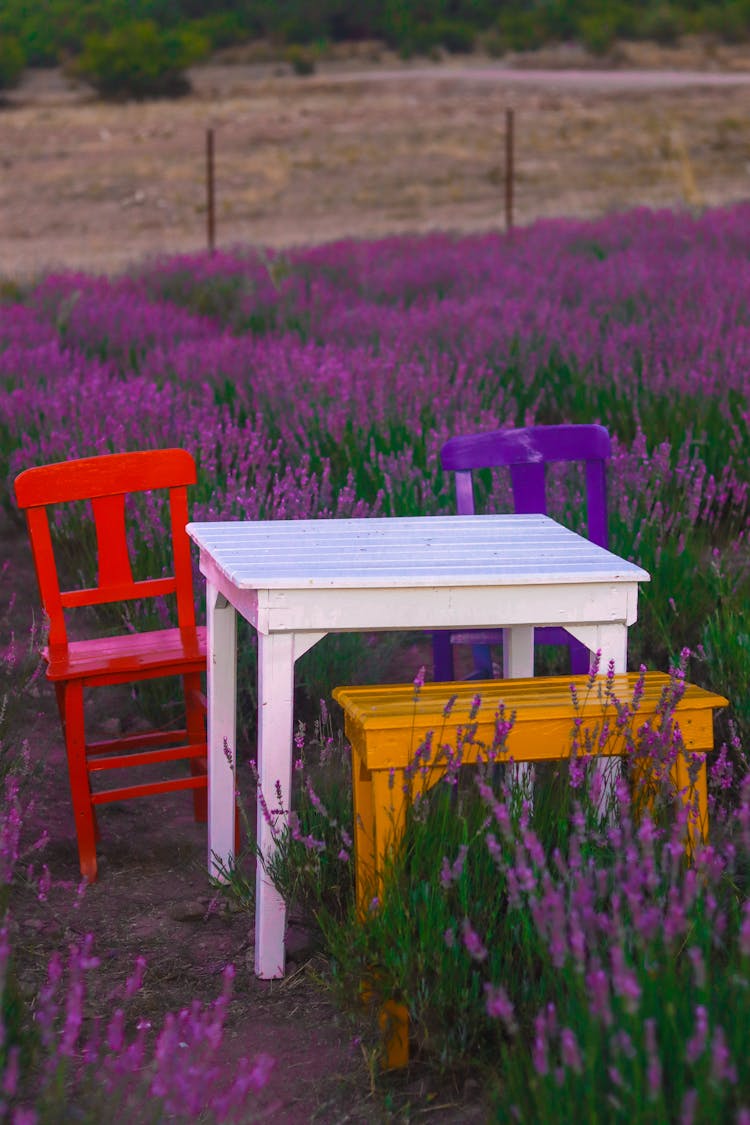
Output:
x,y
379,819
393,1021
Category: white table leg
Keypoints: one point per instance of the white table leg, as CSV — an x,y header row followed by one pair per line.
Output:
x,y
518,663
222,724
275,721
612,641
518,652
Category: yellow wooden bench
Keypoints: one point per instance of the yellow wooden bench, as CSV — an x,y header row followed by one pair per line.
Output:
x,y
386,725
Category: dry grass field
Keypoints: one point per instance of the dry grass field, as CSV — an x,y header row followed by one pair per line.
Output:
x,y
365,147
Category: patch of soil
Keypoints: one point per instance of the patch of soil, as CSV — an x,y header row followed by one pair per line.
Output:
x,y
153,898
367,146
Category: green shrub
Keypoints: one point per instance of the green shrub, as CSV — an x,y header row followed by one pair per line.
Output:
x,y
661,24
522,31
12,62
222,29
597,33
494,44
38,41
458,38
598,30
301,60
417,39
140,61
559,19
731,23
299,28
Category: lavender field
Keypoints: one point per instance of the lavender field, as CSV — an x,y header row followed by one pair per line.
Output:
x,y
323,382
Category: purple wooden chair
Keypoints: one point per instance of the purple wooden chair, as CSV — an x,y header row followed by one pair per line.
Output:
x,y
525,452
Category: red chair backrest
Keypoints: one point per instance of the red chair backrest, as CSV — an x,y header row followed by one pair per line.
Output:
x,y
526,452
106,481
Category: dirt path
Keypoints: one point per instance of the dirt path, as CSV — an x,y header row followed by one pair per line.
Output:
x,y
573,78
357,151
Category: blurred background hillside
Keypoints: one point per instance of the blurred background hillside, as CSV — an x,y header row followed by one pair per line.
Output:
x,y
333,119
49,32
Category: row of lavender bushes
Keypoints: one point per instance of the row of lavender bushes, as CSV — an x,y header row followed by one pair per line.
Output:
x,y
323,383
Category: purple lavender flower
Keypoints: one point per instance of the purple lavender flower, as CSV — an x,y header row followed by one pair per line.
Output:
x,y
451,873
472,941
688,1108
499,1006
570,1051
449,706
696,1045
722,1067
624,980
540,1049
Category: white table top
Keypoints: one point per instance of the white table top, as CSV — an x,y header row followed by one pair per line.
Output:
x,y
413,551
296,580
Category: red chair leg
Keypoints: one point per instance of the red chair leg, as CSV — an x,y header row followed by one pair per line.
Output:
x,y
80,789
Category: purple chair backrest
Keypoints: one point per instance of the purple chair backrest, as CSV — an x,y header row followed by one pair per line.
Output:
x,y
526,452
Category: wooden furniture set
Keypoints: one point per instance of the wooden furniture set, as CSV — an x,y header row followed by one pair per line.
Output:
x,y
521,578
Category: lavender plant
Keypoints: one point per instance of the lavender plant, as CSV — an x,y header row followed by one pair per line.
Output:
x,y
312,865
57,1062
322,383
578,959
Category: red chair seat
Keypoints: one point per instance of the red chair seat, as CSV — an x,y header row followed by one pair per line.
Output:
x,y
128,656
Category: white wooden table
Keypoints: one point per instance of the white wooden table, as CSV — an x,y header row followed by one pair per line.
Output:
x,y
297,580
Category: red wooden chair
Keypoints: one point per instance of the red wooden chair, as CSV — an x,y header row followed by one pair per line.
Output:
x,y
525,452
73,665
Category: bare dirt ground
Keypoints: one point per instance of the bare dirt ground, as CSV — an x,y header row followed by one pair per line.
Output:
x,y
366,148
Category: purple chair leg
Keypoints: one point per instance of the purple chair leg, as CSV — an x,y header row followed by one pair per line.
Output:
x,y
482,662
442,656
580,659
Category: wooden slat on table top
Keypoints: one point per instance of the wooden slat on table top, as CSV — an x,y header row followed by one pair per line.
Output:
x,y
410,551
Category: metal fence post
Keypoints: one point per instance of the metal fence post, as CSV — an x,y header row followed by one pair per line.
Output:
x,y
509,169
210,200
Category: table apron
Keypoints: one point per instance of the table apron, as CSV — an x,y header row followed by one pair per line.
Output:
x,y
452,607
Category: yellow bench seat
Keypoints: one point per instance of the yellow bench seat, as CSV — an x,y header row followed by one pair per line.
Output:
x,y
386,724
